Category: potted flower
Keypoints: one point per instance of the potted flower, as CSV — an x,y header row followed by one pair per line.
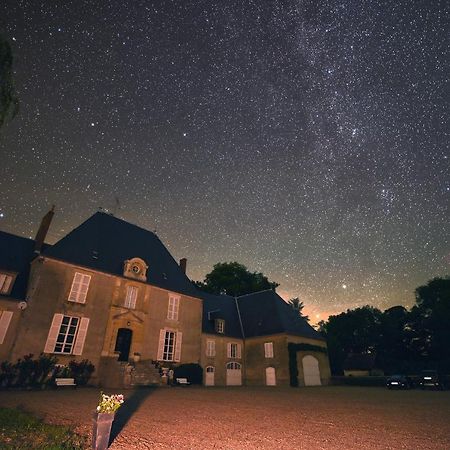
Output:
x,y
103,419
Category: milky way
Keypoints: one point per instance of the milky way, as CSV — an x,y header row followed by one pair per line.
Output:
x,y
308,140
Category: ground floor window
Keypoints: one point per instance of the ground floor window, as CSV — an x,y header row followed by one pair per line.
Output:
x,y
169,348
67,335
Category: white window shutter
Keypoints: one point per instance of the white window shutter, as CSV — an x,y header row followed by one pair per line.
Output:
x,y
85,280
179,339
239,354
176,306
229,350
134,291
75,289
213,348
5,319
53,333
162,337
81,336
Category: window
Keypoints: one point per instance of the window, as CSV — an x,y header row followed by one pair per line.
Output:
x,y
169,345
5,319
210,348
234,350
268,349
79,289
174,303
5,283
67,335
220,326
130,299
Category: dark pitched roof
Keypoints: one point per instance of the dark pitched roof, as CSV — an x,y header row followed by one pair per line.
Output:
x,y
265,313
103,242
262,313
16,254
220,307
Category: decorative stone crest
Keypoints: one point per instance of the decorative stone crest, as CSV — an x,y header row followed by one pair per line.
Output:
x,y
135,268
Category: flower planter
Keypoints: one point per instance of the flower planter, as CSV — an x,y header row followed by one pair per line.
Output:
x,y
102,429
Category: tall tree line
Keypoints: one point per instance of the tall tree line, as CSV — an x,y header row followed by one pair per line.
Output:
x,y
403,340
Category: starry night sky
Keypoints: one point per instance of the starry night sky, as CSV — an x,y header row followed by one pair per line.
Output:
x,y
308,140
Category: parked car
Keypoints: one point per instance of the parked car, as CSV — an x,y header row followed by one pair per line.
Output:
x,y
431,379
399,382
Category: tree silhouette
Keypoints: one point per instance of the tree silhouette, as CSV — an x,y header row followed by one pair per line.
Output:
x,y
234,279
298,306
9,103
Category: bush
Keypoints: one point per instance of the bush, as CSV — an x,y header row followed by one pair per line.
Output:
x,y
193,372
81,371
8,373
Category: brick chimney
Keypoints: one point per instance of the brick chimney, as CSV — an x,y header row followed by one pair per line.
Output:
x,y
43,230
183,262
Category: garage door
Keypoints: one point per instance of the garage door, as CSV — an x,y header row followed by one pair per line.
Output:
x,y
209,376
311,371
234,377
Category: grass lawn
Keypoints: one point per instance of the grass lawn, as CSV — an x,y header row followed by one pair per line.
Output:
x,y
19,430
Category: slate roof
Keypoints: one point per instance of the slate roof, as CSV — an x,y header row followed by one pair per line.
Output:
x,y
16,254
220,307
262,313
265,313
103,242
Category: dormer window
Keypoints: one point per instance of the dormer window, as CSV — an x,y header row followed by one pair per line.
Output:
x,y
6,282
220,326
135,268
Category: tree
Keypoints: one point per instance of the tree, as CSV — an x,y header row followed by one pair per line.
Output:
x,y
234,279
429,323
298,306
9,103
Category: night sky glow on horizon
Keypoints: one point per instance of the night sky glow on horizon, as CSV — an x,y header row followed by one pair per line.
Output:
x,y
308,140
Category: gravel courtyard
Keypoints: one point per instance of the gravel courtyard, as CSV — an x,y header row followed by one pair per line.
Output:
x,y
256,418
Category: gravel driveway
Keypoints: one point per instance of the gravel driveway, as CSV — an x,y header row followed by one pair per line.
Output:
x,y
256,418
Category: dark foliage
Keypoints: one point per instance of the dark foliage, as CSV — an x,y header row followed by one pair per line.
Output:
x,y
403,341
81,371
193,372
234,279
8,100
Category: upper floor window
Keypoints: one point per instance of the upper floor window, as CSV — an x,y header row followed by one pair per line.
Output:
x,y
210,348
79,289
130,299
67,335
234,350
6,281
220,326
174,304
268,349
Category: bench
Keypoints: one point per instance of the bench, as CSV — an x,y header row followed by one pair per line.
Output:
x,y
182,381
65,382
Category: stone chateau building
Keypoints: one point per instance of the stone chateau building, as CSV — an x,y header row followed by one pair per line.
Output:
x,y
110,292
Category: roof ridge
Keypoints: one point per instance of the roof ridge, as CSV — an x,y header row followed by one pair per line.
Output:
x,y
125,222
253,293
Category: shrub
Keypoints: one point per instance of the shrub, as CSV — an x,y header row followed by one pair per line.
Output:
x,y
193,372
8,373
81,371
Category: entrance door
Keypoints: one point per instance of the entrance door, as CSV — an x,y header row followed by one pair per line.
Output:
x,y
234,377
311,371
270,376
123,343
209,377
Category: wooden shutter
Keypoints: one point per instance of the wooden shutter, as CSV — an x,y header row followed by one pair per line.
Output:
x,y
179,338
162,337
130,300
5,319
79,289
81,336
53,333
229,350
176,305
238,351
